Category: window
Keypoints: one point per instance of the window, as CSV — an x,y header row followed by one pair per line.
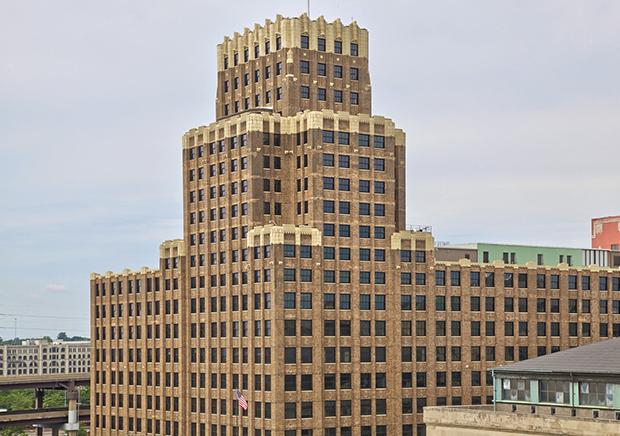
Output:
x,y
328,136
321,69
337,96
321,44
596,394
489,279
289,274
305,41
338,71
344,161
304,67
354,73
343,138
364,163
354,49
420,256
289,300
328,183
455,278
305,92
440,278
572,282
379,141
585,283
338,47
354,98
515,390
328,159
322,94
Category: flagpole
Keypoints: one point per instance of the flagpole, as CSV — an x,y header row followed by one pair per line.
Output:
x,y
239,412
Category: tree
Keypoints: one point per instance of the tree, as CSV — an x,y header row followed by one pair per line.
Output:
x,y
62,336
17,399
12,432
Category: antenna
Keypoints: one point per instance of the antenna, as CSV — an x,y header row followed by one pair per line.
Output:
x,y
308,8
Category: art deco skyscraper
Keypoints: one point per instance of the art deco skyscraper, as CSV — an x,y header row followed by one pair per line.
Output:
x,y
296,281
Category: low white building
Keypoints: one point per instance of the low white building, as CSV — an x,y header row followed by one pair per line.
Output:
x,y
38,357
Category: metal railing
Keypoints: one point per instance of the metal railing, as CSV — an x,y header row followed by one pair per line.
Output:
x,y
419,228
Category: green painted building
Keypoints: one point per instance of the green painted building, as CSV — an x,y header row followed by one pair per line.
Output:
x,y
483,252
522,254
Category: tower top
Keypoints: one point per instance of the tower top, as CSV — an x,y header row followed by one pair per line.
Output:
x,y
287,32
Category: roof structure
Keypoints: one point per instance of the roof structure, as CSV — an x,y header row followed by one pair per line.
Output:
x,y
600,358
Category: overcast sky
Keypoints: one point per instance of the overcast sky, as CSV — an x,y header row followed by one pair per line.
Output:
x,y
512,111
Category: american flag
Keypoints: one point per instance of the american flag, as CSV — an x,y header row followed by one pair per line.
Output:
x,y
242,401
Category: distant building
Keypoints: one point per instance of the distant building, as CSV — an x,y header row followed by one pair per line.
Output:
x,y
606,233
38,357
573,392
512,254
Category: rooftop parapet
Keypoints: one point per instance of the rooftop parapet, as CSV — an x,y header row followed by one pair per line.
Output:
x,y
288,30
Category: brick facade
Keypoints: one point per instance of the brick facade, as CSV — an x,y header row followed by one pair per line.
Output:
x,y
297,283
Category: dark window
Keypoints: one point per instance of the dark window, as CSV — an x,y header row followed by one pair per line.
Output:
x,y
354,49
305,41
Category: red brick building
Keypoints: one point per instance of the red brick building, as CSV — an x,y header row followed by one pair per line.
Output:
x,y
606,232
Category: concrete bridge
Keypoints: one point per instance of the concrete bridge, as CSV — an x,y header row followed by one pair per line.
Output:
x,y
65,418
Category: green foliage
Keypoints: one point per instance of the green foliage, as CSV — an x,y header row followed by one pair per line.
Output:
x,y
12,432
24,399
54,399
17,399
61,336
15,341
85,395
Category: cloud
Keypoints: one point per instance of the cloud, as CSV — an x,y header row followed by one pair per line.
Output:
x,y
53,287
